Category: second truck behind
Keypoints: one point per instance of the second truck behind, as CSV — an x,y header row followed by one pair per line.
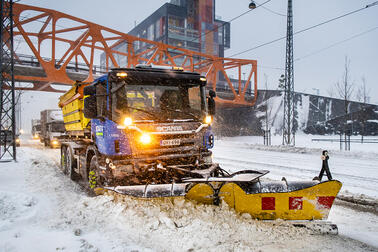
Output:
x,y
52,127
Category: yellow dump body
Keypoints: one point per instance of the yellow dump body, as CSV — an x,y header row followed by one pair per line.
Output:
x,y
72,105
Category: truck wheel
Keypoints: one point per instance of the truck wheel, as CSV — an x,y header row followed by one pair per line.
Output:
x,y
63,151
94,178
69,164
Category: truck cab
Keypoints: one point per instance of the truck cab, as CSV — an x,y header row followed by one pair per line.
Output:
x,y
51,127
147,125
36,129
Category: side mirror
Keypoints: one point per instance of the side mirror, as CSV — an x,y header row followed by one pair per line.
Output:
x,y
212,94
211,102
90,102
90,107
90,90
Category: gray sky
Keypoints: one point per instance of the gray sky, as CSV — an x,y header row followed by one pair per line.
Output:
x,y
320,70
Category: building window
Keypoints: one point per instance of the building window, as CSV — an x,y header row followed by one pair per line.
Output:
x,y
174,21
176,42
178,2
157,29
150,32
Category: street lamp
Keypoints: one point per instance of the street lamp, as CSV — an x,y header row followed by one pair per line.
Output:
x,y
252,5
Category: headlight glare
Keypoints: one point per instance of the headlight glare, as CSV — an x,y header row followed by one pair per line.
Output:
x,y
128,121
145,138
208,119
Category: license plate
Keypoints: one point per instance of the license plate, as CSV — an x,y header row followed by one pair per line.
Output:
x,y
169,142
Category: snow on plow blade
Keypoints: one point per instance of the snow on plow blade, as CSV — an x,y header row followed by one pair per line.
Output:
x,y
182,189
243,191
151,191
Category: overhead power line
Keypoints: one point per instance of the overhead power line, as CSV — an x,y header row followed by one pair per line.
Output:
x,y
324,48
270,67
274,12
337,43
308,28
260,5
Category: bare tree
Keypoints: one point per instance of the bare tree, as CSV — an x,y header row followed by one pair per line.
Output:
x,y
363,96
363,92
331,92
345,89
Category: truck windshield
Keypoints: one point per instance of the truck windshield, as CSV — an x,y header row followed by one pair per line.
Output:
x,y
57,127
159,103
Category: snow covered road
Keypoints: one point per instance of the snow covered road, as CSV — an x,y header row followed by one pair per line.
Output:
x,y
42,210
358,172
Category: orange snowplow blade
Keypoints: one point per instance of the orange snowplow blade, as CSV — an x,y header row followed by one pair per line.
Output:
x,y
243,191
309,203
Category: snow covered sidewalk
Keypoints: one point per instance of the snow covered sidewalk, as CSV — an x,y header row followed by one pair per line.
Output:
x,y
42,210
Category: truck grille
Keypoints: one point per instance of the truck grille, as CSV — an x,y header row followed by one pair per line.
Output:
x,y
168,144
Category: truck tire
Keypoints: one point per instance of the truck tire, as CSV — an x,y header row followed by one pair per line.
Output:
x,y
66,162
94,178
70,164
63,151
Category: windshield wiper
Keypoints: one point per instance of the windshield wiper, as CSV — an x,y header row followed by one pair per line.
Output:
x,y
118,88
144,111
183,112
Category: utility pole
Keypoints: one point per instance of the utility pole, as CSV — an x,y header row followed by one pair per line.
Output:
x,y
288,121
7,93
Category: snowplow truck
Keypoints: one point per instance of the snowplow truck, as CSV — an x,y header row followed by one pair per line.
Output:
x,y
35,128
146,132
52,127
138,126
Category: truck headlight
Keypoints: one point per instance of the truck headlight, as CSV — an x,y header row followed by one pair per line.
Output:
x,y
54,142
17,140
128,121
208,119
122,74
145,138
